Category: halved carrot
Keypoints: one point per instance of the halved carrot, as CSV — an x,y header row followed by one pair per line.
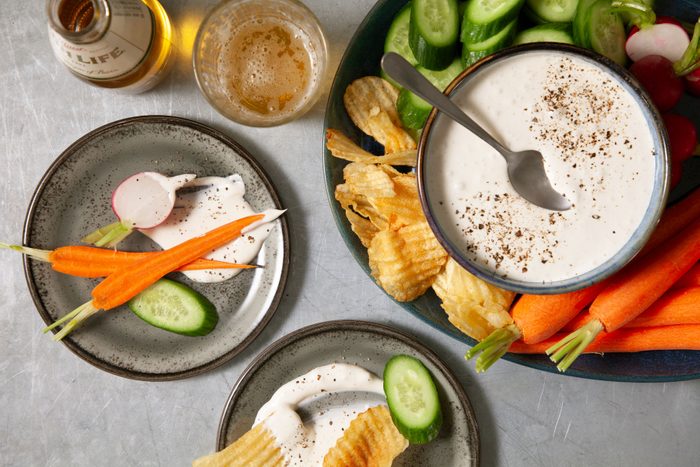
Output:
x,y
632,291
124,284
85,261
676,337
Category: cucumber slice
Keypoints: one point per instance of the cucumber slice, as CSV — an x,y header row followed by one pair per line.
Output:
x,y
485,18
414,111
532,16
555,11
607,32
580,25
548,32
397,36
472,53
433,32
175,307
412,398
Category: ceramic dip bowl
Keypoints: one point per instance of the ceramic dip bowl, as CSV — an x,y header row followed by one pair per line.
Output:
x,y
604,147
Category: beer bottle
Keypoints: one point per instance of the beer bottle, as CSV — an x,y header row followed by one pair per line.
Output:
x,y
122,44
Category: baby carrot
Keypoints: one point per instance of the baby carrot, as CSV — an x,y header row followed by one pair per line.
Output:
x,y
675,217
689,279
676,337
537,317
677,306
85,261
124,284
632,291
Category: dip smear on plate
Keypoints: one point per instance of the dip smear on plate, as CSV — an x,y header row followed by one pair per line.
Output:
x,y
598,151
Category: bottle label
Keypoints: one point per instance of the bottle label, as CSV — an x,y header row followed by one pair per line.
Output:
x,y
118,51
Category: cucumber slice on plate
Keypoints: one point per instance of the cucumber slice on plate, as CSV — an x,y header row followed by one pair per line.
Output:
x,y
486,18
607,32
433,32
414,111
175,307
555,11
472,53
412,398
548,32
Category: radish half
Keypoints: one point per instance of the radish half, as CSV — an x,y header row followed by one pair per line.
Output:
x,y
142,201
666,39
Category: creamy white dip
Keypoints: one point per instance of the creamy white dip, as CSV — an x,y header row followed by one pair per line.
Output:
x,y
598,151
306,442
210,203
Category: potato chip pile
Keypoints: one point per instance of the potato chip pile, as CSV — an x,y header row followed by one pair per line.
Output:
x,y
383,208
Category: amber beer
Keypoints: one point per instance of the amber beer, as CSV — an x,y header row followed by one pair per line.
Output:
x,y
123,44
260,62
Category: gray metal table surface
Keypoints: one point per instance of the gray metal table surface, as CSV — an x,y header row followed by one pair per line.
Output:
x,y
56,409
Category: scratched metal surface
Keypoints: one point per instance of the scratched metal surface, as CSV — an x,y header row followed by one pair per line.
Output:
x,y
57,410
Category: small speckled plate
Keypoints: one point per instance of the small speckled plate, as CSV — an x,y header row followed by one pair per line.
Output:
x,y
73,198
368,345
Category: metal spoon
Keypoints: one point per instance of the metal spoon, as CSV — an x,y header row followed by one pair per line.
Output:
x,y
525,168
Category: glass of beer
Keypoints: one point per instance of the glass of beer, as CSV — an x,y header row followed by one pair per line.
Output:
x,y
260,62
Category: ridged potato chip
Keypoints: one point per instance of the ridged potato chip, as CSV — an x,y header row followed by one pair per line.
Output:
x,y
404,207
473,306
344,148
370,180
371,105
363,228
371,440
256,448
406,261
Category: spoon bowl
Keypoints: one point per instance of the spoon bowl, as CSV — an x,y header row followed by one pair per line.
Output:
x,y
525,168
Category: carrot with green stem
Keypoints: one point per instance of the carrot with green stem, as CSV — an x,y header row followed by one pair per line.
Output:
x,y
85,261
675,337
537,317
124,284
632,291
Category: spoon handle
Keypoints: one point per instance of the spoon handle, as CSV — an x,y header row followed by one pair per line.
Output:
x,y
403,73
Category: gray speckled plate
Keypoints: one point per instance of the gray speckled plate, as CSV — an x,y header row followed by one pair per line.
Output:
x,y
73,198
366,344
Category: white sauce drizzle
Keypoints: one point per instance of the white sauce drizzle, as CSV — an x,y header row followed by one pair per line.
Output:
x,y
214,202
307,443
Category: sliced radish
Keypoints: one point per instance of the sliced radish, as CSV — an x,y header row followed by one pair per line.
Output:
x,y
666,39
145,200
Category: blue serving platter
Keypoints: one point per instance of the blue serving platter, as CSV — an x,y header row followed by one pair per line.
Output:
x,y
361,59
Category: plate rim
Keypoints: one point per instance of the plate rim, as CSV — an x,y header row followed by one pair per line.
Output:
x,y
198,127
350,325
346,235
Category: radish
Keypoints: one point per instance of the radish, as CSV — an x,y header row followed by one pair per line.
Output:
x,y
682,137
650,35
142,201
692,82
657,76
689,64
